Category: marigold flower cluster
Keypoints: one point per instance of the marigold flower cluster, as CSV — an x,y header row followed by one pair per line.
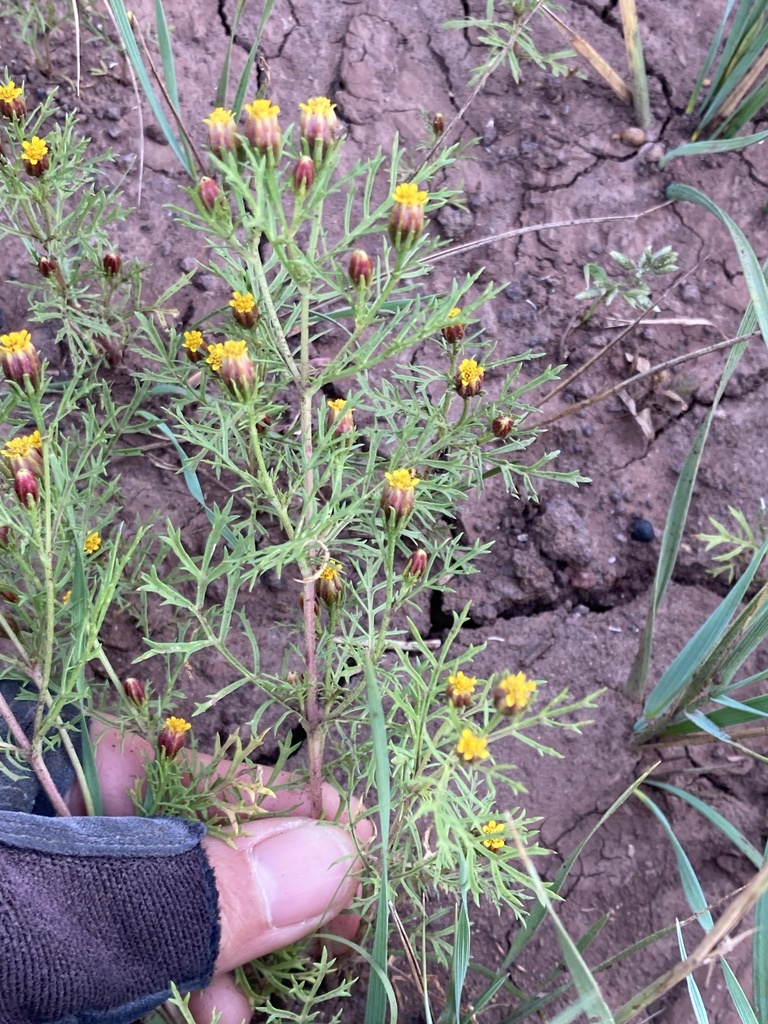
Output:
x,y
512,693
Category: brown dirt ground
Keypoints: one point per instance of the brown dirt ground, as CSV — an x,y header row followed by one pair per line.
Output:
x,y
565,592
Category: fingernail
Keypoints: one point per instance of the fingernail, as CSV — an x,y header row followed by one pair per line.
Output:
x,y
304,872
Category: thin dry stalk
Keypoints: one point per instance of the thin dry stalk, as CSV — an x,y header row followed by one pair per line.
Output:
x,y
612,78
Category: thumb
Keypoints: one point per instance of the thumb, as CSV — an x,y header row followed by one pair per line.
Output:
x,y
282,879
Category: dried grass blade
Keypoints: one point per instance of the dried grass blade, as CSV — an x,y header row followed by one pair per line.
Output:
x,y
166,55
593,58
636,58
693,989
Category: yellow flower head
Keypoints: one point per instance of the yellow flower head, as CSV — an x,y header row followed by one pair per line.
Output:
x,y
331,572
470,372
226,350
402,479
10,91
456,311
220,116
193,340
513,692
318,105
66,596
492,828
261,109
408,194
462,684
471,747
337,404
92,543
16,341
35,151
242,302
177,726
22,447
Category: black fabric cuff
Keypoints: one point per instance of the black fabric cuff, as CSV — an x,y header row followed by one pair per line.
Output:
x,y
100,915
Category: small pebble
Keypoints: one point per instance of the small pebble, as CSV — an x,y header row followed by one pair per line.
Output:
x,y
155,133
641,530
206,282
621,538
588,430
113,113
187,264
612,560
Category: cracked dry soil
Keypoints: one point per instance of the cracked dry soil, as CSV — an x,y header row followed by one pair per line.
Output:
x,y
564,592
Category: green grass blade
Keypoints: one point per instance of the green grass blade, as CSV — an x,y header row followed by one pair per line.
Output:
x,y
131,48
242,85
166,55
740,1001
738,705
726,717
674,682
461,951
709,59
694,894
693,989
376,1001
760,957
714,817
223,83
712,146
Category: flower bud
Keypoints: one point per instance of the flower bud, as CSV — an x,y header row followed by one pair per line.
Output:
x,y
303,175
318,124
25,485
35,156
460,689
232,363
111,347
416,565
46,265
208,192
502,426
469,379
438,125
195,346
329,586
173,737
222,131
262,130
340,416
134,691
9,595
360,269
244,309
112,263
25,453
406,220
19,358
397,497
513,693
12,103
453,332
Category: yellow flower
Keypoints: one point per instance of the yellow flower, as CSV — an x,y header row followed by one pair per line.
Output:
x,y
318,105
472,748
317,125
22,447
19,358
92,543
492,828
403,479
222,130
341,421
329,585
244,309
454,312
513,693
219,116
397,496
460,689
66,596
231,361
173,737
35,151
469,379
409,194
453,332
16,341
193,340
222,350
262,129
262,108
10,91
177,725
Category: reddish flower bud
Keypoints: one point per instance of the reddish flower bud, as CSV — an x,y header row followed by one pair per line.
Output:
x,y
453,331
360,269
208,192
9,595
406,220
173,737
112,263
318,125
469,379
303,175
19,358
134,691
244,309
35,156
25,485
340,414
438,125
222,131
329,586
12,103
262,130
397,498
46,265
416,565
502,426
264,424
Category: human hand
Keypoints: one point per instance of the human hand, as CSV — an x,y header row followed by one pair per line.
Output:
x,y
283,878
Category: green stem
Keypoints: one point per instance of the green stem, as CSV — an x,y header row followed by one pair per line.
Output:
x,y
271,314
393,531
263,477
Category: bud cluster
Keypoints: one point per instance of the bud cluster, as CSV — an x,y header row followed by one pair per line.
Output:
x,y
19,359
24,459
